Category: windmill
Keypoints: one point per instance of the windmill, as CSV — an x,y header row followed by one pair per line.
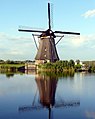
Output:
x,y
47,52
47,85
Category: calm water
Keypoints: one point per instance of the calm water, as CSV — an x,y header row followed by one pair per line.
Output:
x,y
47,96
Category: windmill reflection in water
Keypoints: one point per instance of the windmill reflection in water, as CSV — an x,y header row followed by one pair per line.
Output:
x,y
47,85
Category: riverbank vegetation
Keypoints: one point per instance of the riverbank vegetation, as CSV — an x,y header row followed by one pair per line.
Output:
x,y
58,66
11,65
68,66
63,66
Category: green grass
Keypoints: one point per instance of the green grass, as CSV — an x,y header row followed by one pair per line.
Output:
x,y
11,65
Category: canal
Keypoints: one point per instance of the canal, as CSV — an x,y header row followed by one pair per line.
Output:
x,y
41,95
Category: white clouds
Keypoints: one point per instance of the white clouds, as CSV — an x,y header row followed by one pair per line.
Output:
x,y
75,47
83,40
15,52
89,13
16,47
77,41
4,36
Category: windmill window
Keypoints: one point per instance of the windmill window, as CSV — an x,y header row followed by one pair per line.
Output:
x,y
45,49
44,55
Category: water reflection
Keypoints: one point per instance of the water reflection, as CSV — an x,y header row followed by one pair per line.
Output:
x,y
47,86
10,73
57,95
90,115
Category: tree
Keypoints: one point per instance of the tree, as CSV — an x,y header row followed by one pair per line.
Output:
x,y
78,61
71,63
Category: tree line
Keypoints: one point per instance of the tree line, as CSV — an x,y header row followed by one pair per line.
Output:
x,y
58,65
70,65
61,65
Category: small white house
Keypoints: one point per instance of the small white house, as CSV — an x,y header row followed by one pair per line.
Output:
x,y
83,66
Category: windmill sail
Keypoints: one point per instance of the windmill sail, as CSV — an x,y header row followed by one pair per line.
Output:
x,y
47,51
49,19
23,30
63,32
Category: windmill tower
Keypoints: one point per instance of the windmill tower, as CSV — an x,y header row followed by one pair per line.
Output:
x,y
47,51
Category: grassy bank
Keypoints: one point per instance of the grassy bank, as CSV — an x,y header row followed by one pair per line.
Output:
x,y
58,66
66,66
62,66
11,66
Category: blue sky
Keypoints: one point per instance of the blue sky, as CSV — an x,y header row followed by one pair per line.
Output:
x,y
68,15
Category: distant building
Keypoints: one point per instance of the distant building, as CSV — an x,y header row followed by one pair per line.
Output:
x,y
30,66
83,65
